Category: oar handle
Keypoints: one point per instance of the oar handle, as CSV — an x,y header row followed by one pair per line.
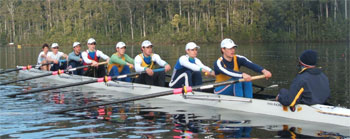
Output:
x,y
158,70
62,60
102,63
254,78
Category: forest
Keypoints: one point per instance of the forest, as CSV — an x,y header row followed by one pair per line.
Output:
x,y
33,22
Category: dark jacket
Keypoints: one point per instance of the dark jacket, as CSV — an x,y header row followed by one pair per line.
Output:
x,y
310,87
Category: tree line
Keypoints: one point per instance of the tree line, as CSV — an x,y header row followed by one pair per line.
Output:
x,y
173,21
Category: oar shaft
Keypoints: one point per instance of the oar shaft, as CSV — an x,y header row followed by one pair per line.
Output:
x,y
9,70
52,88
25,68
48,74
81,83
85,66
24,79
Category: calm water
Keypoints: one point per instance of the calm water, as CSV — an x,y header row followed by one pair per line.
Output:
x,y
24,116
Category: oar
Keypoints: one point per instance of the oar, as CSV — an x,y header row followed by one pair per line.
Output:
x,y
262,88
23,68
164,93
50,73
103,79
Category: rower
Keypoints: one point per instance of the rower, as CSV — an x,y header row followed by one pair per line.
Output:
x,y
310,86
145,62
42,57
55,56
187,70
120,63
75,59
92,57
227,68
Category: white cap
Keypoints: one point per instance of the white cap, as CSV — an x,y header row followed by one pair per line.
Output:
x,y
228,43
191,45
75,44
53,45
146,43
91,40
120,45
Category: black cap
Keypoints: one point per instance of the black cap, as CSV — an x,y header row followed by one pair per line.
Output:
x,y
308,57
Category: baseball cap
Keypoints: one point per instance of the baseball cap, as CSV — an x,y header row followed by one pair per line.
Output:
x,y
146,43
91,40
54,45
191,45
228,43
120,45
75,44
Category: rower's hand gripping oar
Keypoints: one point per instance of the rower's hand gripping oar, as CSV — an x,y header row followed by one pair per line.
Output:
x,y
165,93
51,73
28,67
103,79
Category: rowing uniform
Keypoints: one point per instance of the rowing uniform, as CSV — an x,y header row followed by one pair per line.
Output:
x,y
142,63
311,86
74,61
57,56
118,66
88,57
187,72
225,70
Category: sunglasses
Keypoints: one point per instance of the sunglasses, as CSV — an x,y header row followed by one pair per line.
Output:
x,y
55,48
92,43
147,47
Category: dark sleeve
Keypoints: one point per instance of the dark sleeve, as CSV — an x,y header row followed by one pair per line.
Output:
x,y
291,97
247,63
216,68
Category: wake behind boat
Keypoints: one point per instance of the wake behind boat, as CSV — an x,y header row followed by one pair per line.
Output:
x,y
316,113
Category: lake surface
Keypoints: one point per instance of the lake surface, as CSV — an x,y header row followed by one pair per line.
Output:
x,y
24,117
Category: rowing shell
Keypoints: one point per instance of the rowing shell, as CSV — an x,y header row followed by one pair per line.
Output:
x,y
316,113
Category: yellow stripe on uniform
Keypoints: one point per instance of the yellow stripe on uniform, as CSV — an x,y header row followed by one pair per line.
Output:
x,y
119,66
302,70
223,77
144,64
297,97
